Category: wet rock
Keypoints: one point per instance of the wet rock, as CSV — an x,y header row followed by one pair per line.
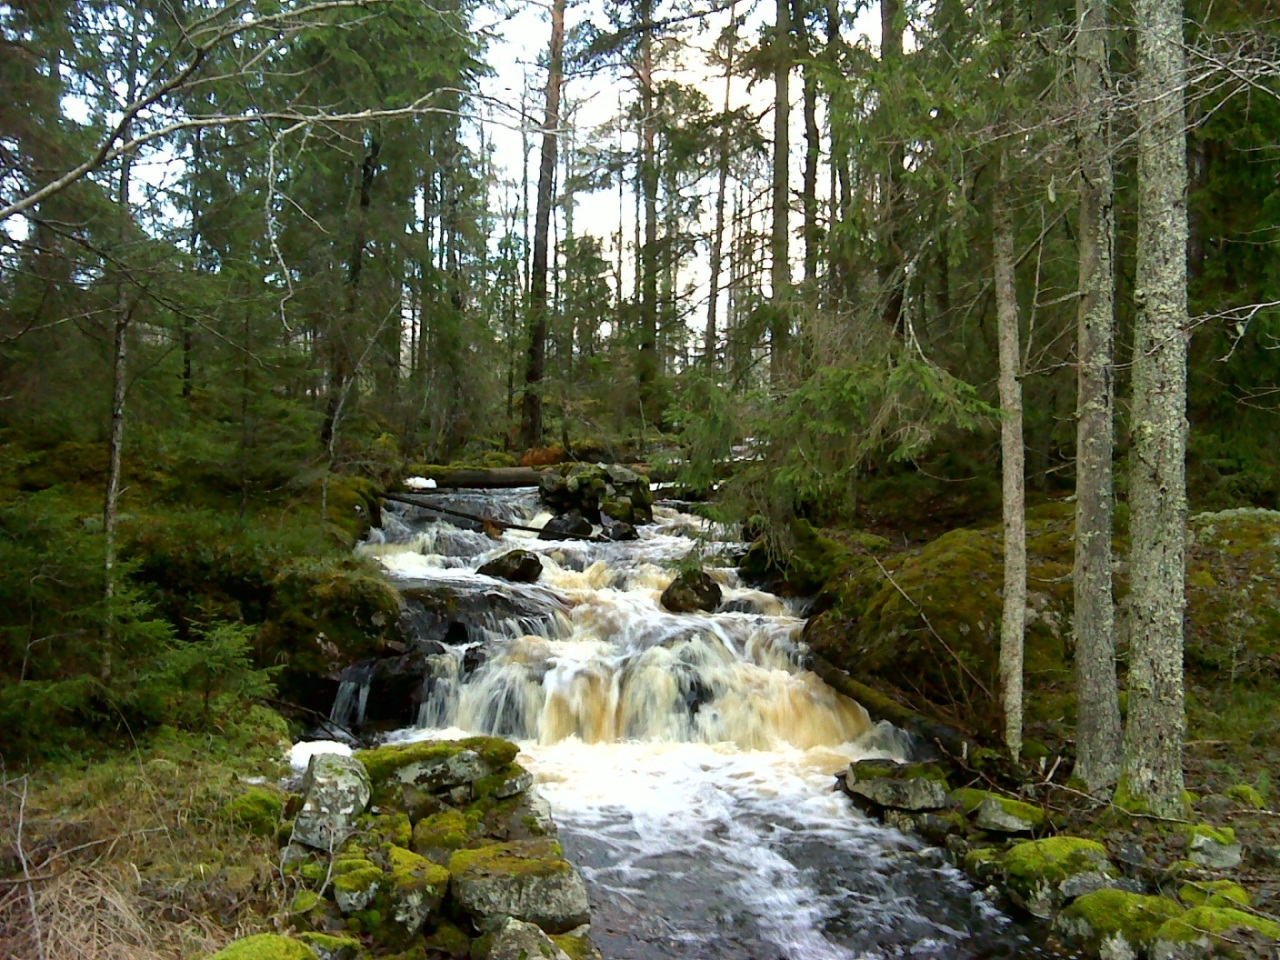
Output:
x,y
415,889
571,525
335,792
618,509
527,879
438,766
595,490
518,566
619,531
900,786
691,590
938,829
517,940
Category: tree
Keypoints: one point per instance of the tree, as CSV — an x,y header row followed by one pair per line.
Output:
x,y
1157,498
1098,734
779,245
531,405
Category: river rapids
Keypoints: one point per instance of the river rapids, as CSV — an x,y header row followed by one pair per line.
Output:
x,y
688,758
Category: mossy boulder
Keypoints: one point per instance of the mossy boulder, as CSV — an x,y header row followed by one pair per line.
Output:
x,y
437,836
517,940
576,948
447,940
900,786
996,812
1201,930
415,888
1213,893
587,488
1214,848
326,946
335,792
1246,795
435,765
804,561
258,809
266,946
355,885
1117,919
1040,875
526,879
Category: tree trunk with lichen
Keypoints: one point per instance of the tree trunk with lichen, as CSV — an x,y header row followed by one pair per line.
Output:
x,y
1098,733
1013,617
1157,484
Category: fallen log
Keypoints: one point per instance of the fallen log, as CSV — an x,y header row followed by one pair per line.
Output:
x,y
484,523
472,477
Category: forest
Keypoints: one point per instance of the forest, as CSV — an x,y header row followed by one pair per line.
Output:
x,y
947,283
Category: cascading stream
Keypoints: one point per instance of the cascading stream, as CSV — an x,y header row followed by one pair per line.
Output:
x,y
688,758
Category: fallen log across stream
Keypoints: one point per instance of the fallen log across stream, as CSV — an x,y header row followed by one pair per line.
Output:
x,y
462,478
487,524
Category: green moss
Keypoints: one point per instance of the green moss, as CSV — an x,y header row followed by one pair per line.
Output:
x,y
411,872
266,946
519,858
357,880
1213,893
481,946
446,830
1134,916
1246,796
384,762
1211,921
489,786
367,921
901,771
394,828
304,901
1223,835
982,863
313,872
449,940
576,948
258,808
969,799
1126,800
331,947
350,864
1051,860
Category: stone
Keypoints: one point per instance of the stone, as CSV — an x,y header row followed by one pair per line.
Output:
x,y
899,786
416,889
335,792
1200,930
1041,875
1214,849
518,566
438,766
1214,893
328,947
1003,816
1116,923
526,879
619,531
266,946
517,940
571,525
618,509
690,591
355,884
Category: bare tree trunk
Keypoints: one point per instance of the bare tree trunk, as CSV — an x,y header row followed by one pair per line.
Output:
x,y
647,367
1158,497
119,384
812,151
780,237
722,184
531,403
1098,733
1013,618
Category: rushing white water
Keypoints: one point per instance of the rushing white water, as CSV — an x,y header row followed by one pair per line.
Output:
x,y
688,758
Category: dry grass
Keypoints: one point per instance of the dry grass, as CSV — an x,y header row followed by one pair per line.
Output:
x,y
132,857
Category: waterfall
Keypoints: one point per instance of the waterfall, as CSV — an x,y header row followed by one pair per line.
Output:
x,y
688,757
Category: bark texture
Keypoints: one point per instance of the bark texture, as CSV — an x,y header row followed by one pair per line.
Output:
x,y
1098,732
531,403
780,247
711,340
1158,500
1013,617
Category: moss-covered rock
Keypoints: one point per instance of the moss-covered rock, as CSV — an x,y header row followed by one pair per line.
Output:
x,y
1246,796
526,879
415,888
266,946
258,809
1213,893
449,941
901,786
1042,874
392,828
1116,916
436,765
355,886
982,864
1213,847
996,812
1207,925
442,833
329,947
576,948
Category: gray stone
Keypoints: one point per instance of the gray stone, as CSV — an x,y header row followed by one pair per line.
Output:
x,y
518,566
525,879
690,591
335,792
1217,807
436,774
517,940
992,815
1213,855
514,786
1077,885
915,794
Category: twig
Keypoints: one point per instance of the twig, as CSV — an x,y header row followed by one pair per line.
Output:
x,y
26,871
1097,802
